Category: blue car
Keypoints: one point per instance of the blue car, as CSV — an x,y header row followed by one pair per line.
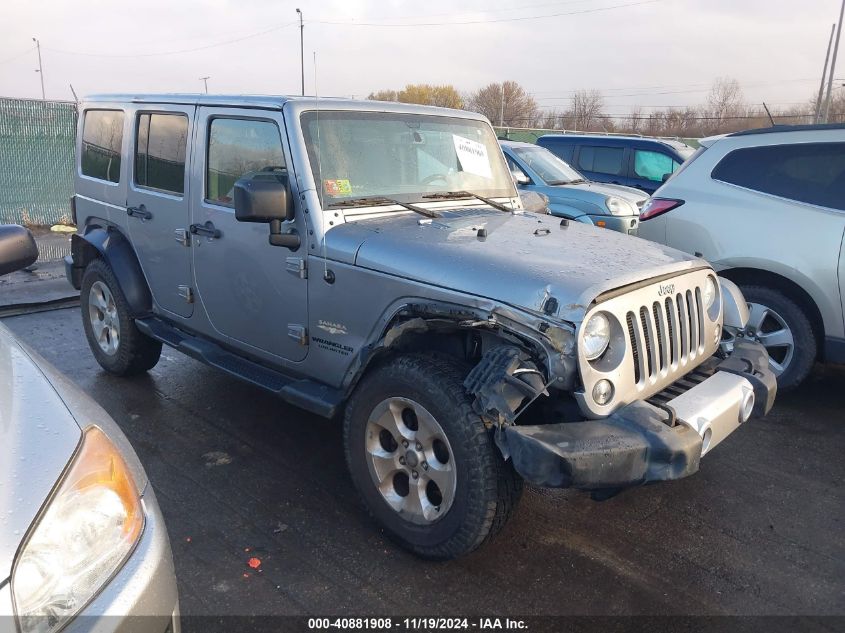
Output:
x,y
570,194
644,163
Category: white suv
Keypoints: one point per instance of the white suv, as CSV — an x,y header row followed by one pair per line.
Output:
x,y
767,209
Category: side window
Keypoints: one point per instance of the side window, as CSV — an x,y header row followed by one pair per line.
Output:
x,y
236,148
102,138
807,172
603,160
653,165
160,144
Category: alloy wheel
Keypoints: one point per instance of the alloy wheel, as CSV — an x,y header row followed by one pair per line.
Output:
x,y
103,316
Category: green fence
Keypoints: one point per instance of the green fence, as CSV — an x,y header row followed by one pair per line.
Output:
x,y
36,161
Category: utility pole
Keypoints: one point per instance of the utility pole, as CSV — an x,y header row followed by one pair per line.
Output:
x,y
824,75
502,111
833,62
204,80
40,70
302,50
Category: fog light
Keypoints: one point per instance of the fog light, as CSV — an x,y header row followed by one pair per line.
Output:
x,y
747,406
603,392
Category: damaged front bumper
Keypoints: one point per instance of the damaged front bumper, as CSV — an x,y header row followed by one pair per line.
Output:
x,y
646,441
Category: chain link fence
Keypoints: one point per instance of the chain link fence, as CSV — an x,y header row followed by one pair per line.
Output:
x,y
36,161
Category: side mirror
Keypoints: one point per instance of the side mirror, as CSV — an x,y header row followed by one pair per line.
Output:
x,y
666,177
534,202
520,177
263,197
17,248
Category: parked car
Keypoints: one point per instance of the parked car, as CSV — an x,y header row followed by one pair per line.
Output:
x,y
634,161
786,186
468,344
83,543
570,194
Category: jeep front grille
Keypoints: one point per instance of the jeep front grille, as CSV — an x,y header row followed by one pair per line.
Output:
x,y
667,334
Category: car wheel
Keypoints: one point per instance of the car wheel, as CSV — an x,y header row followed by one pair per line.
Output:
x,y
116,342
776,322
423,461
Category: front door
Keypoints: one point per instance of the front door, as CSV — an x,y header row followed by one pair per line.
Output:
x,y
253,293
158,203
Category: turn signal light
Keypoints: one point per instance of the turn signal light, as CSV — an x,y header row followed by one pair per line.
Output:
x,y
658,206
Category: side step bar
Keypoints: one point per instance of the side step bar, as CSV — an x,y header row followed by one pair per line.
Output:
x,y
306,394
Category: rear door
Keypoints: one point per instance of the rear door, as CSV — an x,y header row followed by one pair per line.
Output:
x,y
602,163
157,203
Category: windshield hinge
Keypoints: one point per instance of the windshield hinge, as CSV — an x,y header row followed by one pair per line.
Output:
x,y
296,266
186,293
298,333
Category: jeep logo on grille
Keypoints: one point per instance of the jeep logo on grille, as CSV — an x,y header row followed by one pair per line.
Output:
x,y
666,289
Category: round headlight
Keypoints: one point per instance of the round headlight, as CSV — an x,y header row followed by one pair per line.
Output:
x,y
596,336
709,293
617,206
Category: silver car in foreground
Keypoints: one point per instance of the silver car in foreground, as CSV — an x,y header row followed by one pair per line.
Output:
x,y
82,541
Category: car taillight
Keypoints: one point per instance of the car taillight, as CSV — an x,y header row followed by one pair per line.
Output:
x,y
658,206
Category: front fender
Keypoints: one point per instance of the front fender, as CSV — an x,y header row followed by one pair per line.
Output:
x,y
113,247
734,306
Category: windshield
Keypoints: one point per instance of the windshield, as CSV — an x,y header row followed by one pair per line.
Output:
x,y
549,167
402,156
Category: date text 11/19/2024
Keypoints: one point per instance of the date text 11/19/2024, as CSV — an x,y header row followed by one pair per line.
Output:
x,y
417,624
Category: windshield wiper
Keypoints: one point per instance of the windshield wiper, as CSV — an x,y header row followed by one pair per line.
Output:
x,y
382,201
456,195
577,181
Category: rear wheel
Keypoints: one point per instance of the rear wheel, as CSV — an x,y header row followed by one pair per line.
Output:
x,y
423,461
782,327
116,342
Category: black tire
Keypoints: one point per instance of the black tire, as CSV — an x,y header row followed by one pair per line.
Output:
x,y
805,347
487,488
134,353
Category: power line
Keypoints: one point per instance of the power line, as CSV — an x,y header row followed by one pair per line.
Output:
x,y
176,52
18,56
490,21
502,10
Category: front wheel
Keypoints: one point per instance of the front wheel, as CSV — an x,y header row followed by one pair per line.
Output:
x,y
423,461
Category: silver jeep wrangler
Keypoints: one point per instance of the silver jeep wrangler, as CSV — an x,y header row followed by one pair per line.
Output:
x,y
373,260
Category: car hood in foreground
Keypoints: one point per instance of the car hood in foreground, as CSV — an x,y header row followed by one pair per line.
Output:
x,y
523,261
38,436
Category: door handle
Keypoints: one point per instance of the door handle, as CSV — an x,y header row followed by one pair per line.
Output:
x,y
139,212
206,230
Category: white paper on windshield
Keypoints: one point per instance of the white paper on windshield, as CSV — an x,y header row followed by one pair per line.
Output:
x,y
473,156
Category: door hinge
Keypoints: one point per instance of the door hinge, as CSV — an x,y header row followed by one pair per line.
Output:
x,y
182,236
296,266
298,333
186,293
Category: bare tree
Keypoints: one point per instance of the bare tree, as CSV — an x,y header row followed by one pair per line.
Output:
x,y
587,111
725,101
506,104
384,95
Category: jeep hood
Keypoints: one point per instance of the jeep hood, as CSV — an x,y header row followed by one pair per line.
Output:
x,y
524,260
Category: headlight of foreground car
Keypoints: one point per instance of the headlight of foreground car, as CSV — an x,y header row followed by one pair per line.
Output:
x,y
596,336
617,206
89,527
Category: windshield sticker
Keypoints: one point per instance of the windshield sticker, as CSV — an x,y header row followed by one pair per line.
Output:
x,y
473,156
340,187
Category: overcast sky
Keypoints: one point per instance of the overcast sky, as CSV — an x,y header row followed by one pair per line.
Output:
x,y
657,53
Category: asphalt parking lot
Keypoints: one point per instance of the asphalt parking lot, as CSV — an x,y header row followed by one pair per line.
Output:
x,y
241,475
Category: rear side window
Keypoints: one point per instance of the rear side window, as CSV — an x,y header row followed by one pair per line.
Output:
x,y
807,172
160,145
102,138
236,148
603,160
